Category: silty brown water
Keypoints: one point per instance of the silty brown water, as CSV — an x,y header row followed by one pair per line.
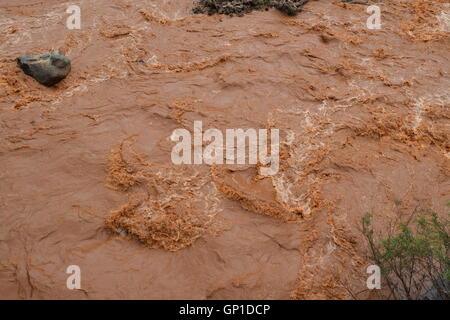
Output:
x,y
363,118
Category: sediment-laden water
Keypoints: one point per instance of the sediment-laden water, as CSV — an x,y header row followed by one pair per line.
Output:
x,y
86,171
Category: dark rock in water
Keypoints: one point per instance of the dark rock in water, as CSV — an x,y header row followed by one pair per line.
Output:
x,y
241,7
48,68
287,7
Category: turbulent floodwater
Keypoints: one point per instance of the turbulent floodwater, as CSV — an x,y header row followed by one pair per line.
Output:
x,y
86,173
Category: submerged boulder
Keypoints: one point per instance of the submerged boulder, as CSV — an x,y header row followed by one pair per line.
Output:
x,y
48,68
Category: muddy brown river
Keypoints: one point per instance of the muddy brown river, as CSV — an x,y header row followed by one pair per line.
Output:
x,y
86,176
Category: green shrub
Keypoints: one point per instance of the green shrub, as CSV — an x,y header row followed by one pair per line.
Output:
x,y
415,261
